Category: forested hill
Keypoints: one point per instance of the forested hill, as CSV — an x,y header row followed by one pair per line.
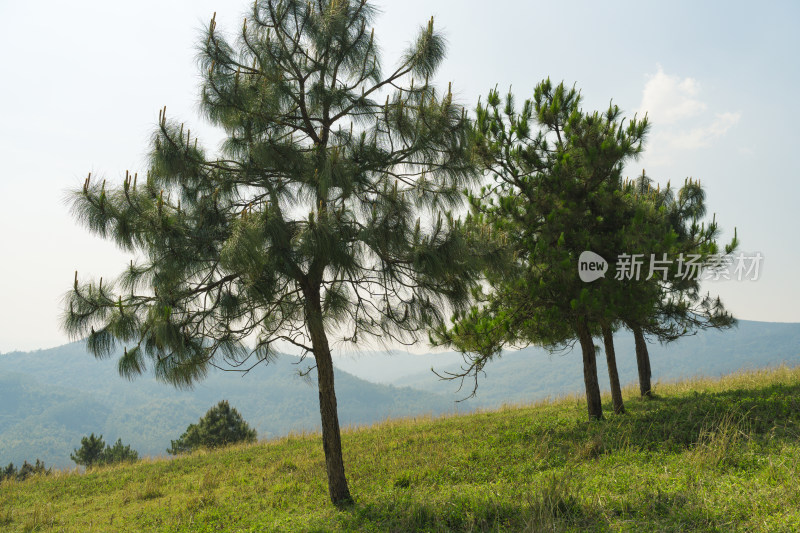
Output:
x,y
50,398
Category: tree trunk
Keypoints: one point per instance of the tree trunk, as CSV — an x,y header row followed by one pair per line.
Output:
x,y
642,361
613,375
593,401
331,436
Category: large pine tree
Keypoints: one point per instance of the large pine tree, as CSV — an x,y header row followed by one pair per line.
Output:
x,y
321,215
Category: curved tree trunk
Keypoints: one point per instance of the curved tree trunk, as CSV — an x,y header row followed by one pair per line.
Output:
x,y
593,401
642,361
331,435
613,375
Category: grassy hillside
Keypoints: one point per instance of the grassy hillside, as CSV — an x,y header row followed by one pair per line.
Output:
x,y
51,398
717,455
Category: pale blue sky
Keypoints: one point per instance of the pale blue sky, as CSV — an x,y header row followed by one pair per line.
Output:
x,y
83,83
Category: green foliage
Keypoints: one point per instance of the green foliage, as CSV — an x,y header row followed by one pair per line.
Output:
x,y
318,198
24,472
705,455
8,472
556,173
222,425
91,451
119,453
27,469
556,180
670,305
94,452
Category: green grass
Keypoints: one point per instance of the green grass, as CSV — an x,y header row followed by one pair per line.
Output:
x,y
707,455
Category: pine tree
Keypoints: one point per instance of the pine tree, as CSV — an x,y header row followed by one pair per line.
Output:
x,y
9,472
119,453
670,305
27,470
308,223
556,173
638,228
95,452
221,426
556,193
91,451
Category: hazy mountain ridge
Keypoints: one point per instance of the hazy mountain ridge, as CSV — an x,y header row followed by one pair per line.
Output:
x,y
534,373
50,398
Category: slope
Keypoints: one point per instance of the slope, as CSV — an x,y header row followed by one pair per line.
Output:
x,y
710,455
50,398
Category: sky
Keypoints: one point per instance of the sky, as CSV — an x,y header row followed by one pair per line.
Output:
x,y
83,82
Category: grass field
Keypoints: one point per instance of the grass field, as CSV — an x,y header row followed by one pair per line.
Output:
x,y
704,455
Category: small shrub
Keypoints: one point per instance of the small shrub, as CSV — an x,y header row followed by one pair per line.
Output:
x,y
222,425
94,451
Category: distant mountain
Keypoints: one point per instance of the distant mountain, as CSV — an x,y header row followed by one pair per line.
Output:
x,y
393,366
49,399
534,373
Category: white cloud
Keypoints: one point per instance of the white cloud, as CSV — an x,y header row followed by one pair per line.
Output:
x,y
680,118
668,99
703,135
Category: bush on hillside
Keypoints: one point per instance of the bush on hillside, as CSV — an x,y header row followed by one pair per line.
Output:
x,y
222,425
94,451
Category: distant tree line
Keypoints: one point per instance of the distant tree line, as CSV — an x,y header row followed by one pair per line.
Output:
x,y
25,471
221,426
